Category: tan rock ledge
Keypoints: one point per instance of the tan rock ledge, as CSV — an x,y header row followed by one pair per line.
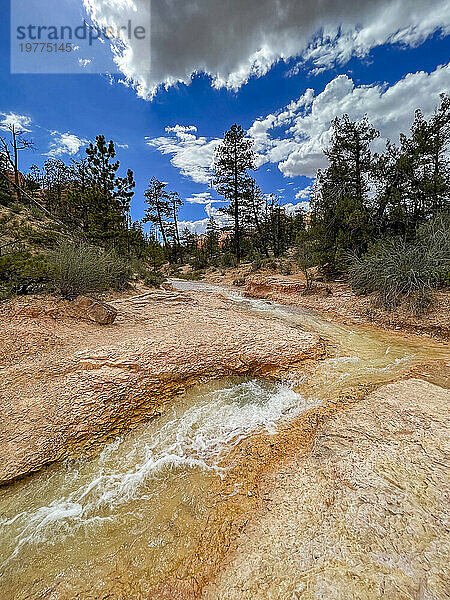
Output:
x,y
67,384
363,515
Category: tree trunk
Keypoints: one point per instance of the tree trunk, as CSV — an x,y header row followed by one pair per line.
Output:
x,y
16,163
257,223
161,226
177,235
237,233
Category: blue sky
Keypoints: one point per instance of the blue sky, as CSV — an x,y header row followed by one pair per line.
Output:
x,y
283,87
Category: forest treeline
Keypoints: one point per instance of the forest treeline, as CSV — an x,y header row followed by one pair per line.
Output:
x,y
379,217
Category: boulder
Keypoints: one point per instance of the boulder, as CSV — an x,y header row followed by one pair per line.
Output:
x,y
94,310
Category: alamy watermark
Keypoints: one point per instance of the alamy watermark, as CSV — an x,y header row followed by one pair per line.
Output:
x,y
52,36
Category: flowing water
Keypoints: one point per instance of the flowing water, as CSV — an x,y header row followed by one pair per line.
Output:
x,y
124,520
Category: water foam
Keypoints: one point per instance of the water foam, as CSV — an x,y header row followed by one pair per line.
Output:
x,y
196,436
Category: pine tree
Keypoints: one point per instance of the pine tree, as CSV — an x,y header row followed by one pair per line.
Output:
x,y
109,195
6,191
439,142
55,180
341,215
189,242
233,157
212,238
424,166
157,200
256,206
175,204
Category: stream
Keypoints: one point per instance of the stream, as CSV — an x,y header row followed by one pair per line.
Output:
x,y
123,521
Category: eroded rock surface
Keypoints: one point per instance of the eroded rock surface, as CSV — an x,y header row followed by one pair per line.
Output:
x,y
363,516
67,384
100,312
337,300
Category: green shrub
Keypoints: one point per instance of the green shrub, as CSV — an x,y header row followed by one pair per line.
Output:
x,y
399,271
270,264
256,264
174,270
154,279
286,267
193,276
78,268
45,238
138,267
22,273
227,260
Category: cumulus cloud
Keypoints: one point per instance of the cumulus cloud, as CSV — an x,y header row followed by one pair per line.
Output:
x,y
65,143
193,155
198,227
291,208
203,198
233,41
294,137
304,193
21,122
390,109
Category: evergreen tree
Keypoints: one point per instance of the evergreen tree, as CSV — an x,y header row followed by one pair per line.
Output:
x,y
55,180
175,204
78,203
257,208
212,238
108,194
424,165
233,157
341,215
157,200
278,226
6,191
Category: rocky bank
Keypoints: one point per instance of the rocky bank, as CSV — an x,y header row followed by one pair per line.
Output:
x,y
363,514
68,383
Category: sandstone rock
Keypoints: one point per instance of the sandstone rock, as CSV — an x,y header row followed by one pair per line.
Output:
x,y
92,383
362,516
100,312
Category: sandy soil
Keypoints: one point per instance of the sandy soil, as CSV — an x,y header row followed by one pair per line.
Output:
x,y
362,515
67,384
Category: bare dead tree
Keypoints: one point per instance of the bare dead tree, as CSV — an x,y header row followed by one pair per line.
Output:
x,y
11,149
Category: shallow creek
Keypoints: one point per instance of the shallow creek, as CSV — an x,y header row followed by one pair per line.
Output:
x,y
123,521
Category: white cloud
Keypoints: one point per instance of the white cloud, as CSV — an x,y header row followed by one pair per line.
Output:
x,y
182,130
305,193
305,124
291,208
390,109
221,219
385,23
233,41
21,122
198,227
203,198
65,143
124,146
83,62
191,154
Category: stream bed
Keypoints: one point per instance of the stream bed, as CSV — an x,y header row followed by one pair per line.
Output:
x,y
121,522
